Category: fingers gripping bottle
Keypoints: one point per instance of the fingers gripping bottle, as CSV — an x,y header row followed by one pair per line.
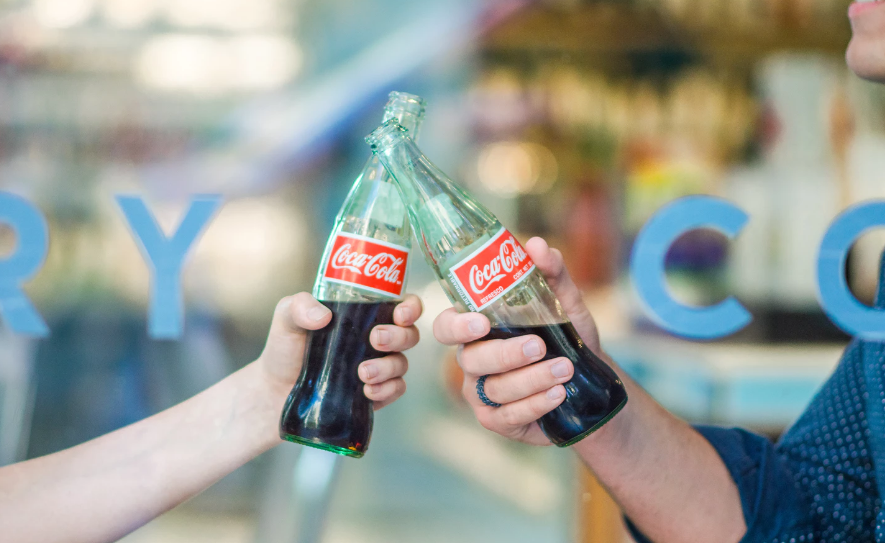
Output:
x,y
361,278
483,268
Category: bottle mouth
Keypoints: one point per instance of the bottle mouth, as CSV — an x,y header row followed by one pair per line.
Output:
x,y
405,102
407,109
386,135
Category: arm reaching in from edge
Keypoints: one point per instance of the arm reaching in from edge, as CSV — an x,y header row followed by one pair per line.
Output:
x,y
105,488
667,478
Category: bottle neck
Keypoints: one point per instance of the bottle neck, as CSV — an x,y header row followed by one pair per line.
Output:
x,y
399,113
374,170
407,167
417,177
406,118
444,214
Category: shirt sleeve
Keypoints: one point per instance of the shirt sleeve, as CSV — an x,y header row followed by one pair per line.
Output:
x,y
774,508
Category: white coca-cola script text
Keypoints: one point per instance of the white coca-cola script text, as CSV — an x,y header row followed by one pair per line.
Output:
x,y
384,266
510,256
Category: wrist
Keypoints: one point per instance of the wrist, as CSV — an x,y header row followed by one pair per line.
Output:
x,y
265,397
614,439
611,439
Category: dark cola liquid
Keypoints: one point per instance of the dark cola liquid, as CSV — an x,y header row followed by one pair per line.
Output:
x,y
593,396
327,408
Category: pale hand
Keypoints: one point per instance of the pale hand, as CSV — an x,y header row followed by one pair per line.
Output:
x,y
296,315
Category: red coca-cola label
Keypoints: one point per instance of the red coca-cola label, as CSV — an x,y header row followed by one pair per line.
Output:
x,y
491,271
368,263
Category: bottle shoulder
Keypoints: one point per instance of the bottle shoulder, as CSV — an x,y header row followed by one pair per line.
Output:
x,y
374,209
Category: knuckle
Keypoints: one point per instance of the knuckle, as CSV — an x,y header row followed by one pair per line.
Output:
x,y
556,261
537,378
302,297
459,356
398,388
502,357
283,303
367,391
395,361
442,328
385,368
467,390
538,406
383,391
469,362
419,305
486,420
398,335
403,364
510,417
413,336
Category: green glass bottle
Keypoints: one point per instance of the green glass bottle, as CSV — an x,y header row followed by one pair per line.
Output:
x,y
362,277
483,268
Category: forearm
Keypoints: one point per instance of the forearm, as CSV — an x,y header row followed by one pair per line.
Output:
x,y
667,478
105,488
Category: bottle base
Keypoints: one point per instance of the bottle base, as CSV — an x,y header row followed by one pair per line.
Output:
x,y
597,426
323,446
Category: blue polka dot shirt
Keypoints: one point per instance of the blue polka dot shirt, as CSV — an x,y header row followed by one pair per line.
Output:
x,y
823,481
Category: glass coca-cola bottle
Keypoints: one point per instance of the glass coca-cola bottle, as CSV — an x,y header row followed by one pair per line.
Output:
x,y
483,268
362,277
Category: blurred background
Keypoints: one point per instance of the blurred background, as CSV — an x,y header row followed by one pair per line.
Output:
x,y
571,119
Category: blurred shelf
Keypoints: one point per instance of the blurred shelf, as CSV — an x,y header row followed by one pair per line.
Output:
x,y
761,387
601,31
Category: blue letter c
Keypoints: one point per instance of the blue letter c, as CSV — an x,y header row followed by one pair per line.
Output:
x,y
647,268
835,297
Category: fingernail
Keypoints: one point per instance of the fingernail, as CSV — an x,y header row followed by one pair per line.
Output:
x,y
475,326
405,314
383,337
555,393
317,313
531,349
560,369
369,371
374,389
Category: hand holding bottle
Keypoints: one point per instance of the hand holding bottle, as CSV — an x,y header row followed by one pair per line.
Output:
x,y
361,280
483,268
103,489
295,316
527,390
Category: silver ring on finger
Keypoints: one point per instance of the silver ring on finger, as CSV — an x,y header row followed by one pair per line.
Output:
x,y
481,392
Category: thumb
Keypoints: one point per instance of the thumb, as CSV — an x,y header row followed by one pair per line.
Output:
x,y
295,314
292,318
550,263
